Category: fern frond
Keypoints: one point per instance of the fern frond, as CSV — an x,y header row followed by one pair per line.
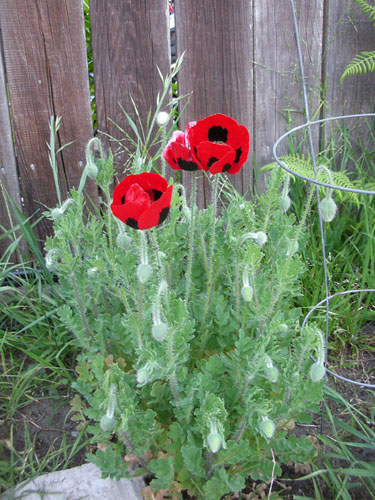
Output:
x,y
367,8
361,63
303,166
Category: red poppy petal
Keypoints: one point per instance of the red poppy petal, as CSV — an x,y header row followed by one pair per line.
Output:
x,y
214,128
135,194
157,212
209,153
149,181
128,211
225,164
241,143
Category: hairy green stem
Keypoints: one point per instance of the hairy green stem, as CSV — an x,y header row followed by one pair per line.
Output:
x,y
211,254
131,448
191,240
81,308
280,288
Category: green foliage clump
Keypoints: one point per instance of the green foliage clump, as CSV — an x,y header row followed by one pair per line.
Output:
x,y
212,400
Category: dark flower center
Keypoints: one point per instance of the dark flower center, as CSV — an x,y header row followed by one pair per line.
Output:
x,y
211,161
238,155
218,134
190,166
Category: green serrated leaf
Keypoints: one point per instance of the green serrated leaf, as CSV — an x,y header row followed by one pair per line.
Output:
x,y
164,470
193,460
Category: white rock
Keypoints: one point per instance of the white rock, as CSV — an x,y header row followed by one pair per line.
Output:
x,y
78,483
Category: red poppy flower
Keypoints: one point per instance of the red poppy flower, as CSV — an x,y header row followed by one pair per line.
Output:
x,y
142,201
219,144
177,151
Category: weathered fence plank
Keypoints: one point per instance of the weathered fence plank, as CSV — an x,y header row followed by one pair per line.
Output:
x,y
279,98
46,71
348,32
8,167
217,38
130,40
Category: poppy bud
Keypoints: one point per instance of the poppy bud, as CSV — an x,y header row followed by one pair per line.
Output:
x,y
92,170
92,272
267,428
123,240
144,272
143,375
272,374
107,424
283,328
56,213
186,212
247,293
284,203
261,238
214,442
159,331
327,209
51,260
162,118
317,372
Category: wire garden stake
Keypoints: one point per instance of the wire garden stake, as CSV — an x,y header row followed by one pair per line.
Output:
x,y
317,183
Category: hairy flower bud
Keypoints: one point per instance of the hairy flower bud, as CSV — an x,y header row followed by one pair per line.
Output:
x,y
317,372
123,240
56,213
107,424
159,331
267,427
162,118
143,375
144,272
327,209
214,442
92,272
92,170
186,212
247,293
261,238
285,203
272,374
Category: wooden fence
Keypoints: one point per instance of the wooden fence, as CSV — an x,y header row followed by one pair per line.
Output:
x,y
241,59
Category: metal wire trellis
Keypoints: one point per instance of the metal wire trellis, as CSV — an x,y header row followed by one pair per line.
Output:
x,y
317,183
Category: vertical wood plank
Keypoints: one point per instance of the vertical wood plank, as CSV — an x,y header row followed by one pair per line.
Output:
x,y
46,68
348,32
277,75
8,167
217,38
130,41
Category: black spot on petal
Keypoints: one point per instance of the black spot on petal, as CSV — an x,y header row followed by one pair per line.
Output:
x,y
211,161
157,194
174,160
163,215
190,166
217,134
195,152
238,155
226,167
132,223
123,200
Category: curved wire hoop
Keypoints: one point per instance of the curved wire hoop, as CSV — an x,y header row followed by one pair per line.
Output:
x,y
317,183
324,301
309,179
